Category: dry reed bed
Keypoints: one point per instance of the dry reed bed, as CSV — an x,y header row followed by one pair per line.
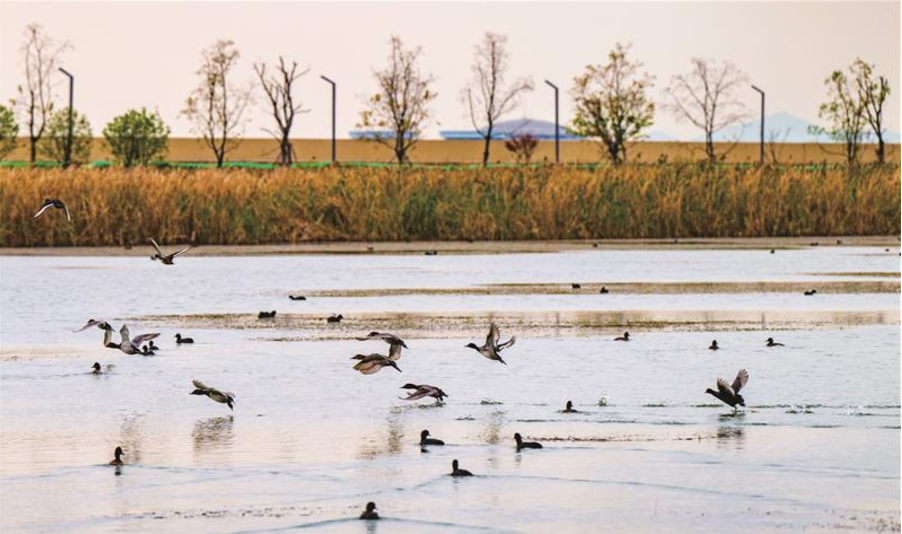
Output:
x,y
116,206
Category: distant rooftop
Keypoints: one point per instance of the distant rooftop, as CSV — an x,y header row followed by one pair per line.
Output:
x,y
507,129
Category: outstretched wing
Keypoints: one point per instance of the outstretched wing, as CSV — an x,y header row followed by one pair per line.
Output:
x,y
44,207
154,243
368,367
184,250
90,323
509,343
144,337
494,336
724,387
199,385
124,333
418,394
65,207
394,352
741,379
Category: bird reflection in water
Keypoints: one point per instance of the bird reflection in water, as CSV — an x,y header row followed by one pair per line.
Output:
x,y
132,437
213,433
393,438
730,436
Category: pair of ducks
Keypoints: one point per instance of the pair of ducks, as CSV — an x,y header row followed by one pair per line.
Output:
x,y
373,363
128,345
425,441
770,343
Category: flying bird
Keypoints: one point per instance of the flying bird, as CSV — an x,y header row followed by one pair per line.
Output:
x,y
167,259
226,398
133,345
103,325
729,394
373,363
53,203
395,343
424,390
493,346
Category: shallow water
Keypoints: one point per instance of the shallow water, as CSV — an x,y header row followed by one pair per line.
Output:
x,y
310,441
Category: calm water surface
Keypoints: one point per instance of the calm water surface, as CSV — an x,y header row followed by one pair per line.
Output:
x,y
310,441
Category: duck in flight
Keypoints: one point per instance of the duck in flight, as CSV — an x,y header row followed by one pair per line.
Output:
x,y
772,343
117,461
624,337
226,398
167,259
373,363
103,325
53,203
426,440
395,343
179,339
370,513
525,444
133,345
424,390
570,408
493,346
729,394
456,471
714,346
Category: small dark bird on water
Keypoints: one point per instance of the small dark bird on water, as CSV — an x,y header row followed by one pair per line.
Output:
x,y
730,394
772,343
603,290
179,339
456,471
53,203
118,457
370,514
714,346
152,346
772,251
299,297
334,318
570,408
147,351
426,440
266,315
431,253
96,368
810,292
525,444
624,337
576,286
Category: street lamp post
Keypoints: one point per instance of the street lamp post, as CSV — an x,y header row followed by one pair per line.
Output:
x,y
557,128
68,158
762,123
333,116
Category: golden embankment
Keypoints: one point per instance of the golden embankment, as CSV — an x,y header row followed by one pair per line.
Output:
x,y
114,206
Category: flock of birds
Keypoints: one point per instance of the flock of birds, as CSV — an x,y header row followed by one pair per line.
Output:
x,y
366,364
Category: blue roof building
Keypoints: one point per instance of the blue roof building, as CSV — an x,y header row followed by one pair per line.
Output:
x,y
542,130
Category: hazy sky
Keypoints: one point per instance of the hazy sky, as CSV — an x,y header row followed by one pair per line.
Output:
x,y
132,54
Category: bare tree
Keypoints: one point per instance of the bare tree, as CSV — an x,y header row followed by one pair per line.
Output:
x,y
872,95
611,103
844,114
486,96
523,147
217,105
704,97
399,110
279,91
41,56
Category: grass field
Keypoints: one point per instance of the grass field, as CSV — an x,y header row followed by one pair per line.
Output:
x,y
244,206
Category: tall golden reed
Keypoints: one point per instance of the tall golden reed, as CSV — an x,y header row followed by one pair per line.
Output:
x,y
115,206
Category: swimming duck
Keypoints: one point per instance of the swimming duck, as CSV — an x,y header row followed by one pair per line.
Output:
x,y
334,318
118,457
179,339
457,472
810,292
714,346
167,259
426,440
493,347
576,286
133,345
96,368
624,337
424,390
53,203
431,253
266,315
370,513
103,325
373,363
525,444
299,297
730,394
603,291
570,408
152,346
772,343
147,351
226,398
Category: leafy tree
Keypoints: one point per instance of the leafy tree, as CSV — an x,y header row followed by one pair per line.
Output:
x,y
399,110
872,94
9,131
611,103
844,114
137,137
56,135
486,96
216,106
